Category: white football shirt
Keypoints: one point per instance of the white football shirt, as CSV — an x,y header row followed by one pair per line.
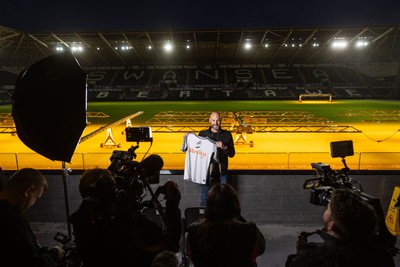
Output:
x,y
199,152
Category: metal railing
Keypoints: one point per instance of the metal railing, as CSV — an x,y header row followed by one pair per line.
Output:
x,y
241,161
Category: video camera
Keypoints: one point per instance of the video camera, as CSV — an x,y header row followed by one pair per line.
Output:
x,y
327,180
132,176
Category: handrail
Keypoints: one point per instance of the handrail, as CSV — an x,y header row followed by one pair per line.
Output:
x,y
242,161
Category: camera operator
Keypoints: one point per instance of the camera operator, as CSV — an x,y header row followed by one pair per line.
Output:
x,y
348,236
109,227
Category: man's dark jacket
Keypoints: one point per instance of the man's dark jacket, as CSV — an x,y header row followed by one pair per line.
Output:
x,y
18,244
226,138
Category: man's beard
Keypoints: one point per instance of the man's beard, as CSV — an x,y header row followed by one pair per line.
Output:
x,y
216,127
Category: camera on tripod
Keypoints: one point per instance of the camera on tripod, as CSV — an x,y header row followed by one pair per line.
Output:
x,y
132,177
326,179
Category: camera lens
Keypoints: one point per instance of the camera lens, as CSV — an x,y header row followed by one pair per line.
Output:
x,y
320,195
324,197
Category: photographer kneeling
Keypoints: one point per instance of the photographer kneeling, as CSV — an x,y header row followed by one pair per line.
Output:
x,y
110,228
348,235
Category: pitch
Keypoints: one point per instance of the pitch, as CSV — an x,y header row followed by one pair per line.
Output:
x,y
270,135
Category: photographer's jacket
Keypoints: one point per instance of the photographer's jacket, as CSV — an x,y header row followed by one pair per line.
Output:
x,y
334,252
226,138
18,244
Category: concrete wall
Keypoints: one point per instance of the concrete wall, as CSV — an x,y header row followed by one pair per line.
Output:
x,y
266,198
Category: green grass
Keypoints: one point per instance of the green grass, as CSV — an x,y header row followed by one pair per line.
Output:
x,y
119,110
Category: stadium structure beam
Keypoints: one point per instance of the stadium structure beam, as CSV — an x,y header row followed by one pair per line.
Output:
x,y
281,46
195,46
238,45
260,45
325,44
40,42
210,45
153,46
60,40
175,50
40,48
379,45
110,46
394,42
304,44
83,56
382,38
217,45
382,35
92,49
10,36
358,35
16,49
134,49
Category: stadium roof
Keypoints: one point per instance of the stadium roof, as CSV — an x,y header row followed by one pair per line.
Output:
x,y
206,46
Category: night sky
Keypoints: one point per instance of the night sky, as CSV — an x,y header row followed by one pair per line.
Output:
x,y
88,15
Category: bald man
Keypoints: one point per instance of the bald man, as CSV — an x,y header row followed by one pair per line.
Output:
x,y
225,149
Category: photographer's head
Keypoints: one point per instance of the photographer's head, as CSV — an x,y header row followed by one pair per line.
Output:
x,y
348,216
222,203
151,167
24,188
96,182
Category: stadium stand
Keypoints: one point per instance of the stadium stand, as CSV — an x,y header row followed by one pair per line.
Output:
x,y
283,82
217,67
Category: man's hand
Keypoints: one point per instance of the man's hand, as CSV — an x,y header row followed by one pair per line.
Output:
x,y
60,253
171,193
221,145
301,242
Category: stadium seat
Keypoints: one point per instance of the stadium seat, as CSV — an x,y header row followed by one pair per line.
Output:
x,y
192,214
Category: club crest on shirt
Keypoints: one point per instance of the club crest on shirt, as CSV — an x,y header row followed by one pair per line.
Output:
x,y
198,144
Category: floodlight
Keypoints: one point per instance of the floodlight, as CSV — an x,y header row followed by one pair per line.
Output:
x,y
339,44
360,44
77,48
168,47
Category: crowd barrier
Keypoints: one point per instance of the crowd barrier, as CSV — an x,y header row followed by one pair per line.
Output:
x,y
173,161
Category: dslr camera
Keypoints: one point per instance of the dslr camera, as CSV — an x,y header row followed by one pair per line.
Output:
x,y
71,257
